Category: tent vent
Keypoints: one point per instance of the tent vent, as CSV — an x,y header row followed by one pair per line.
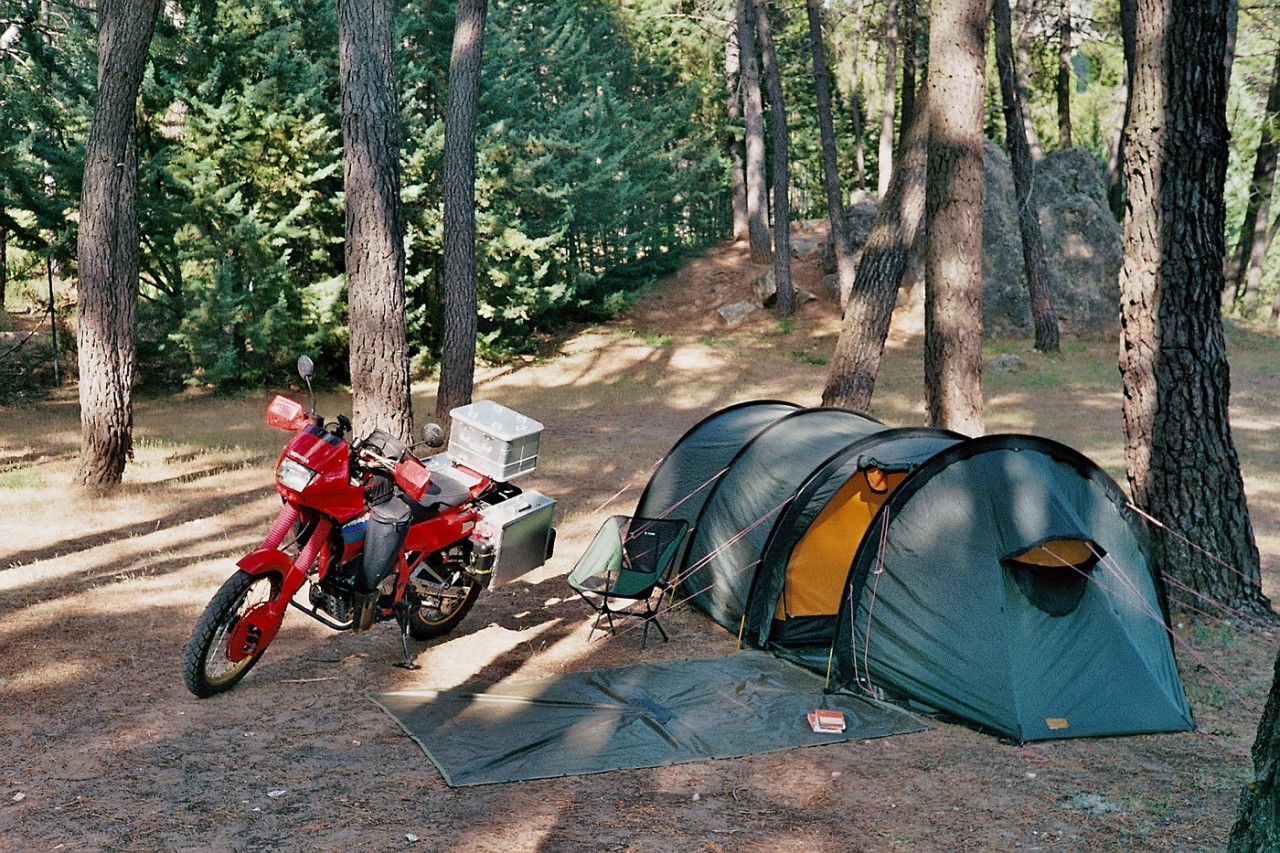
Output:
x,y
1053,575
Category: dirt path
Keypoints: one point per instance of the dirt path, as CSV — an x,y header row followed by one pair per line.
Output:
x,y
105,749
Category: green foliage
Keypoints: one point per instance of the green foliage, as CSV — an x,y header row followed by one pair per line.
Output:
x,y
241,195
599,164
45,108
591,176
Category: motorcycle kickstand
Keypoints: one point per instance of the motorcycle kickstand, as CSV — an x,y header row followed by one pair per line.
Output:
x,y
402,618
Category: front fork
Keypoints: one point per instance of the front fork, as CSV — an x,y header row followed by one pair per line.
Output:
x,y
258,626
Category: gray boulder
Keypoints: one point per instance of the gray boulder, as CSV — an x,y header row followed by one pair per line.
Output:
x,y
1082,241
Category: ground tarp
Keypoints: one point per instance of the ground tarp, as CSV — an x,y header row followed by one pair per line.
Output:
x,y
643,715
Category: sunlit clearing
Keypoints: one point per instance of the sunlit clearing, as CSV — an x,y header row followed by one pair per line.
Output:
x,y
52,674
461,659
1252,423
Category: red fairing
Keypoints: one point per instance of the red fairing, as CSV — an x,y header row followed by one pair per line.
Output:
x,y
330,457
441,530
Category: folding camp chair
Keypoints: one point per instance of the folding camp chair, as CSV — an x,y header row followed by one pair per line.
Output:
x,y
626,562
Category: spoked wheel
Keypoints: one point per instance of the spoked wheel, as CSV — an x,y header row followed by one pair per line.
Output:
x,y
438,610
207,667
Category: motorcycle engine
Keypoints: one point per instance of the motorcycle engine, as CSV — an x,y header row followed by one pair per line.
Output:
x,y
337,607
333,594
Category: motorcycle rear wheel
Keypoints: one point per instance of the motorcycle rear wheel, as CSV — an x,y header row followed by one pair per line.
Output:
x,y
206,669
434,616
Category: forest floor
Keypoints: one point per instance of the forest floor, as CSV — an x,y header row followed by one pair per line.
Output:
x,y
104,749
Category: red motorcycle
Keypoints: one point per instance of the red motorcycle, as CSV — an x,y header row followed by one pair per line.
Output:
x,y
481,531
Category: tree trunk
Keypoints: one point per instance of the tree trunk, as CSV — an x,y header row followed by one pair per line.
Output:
x,y
753,114
889,247
1257,825
890,95
1033,262
781,162
1115,165
953,208
4,266
1063,83
733,109
1024,11
107,251
856,105
458,356
908,31
374,251
830,168
1182,464
1244,278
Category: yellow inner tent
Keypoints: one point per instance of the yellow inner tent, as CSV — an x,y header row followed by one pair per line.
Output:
x,y
1058,553
819,564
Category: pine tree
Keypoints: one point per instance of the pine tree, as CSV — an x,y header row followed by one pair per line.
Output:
x,y
108,245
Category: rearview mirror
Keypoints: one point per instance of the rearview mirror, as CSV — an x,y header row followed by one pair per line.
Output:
x,y
433,435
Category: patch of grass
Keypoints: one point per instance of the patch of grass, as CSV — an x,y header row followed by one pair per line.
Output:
x,y
713,341
655,339
1094,804
22,478
808,358
782,328
1222,634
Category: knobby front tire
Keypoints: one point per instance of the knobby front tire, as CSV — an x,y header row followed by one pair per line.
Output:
x,y
205,666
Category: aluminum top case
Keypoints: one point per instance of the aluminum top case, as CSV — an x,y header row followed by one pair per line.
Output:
x,y
493,440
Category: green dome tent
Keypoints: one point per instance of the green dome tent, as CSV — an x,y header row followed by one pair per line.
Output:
x,y
1002,579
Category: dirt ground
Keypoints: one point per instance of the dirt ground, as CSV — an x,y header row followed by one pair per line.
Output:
x,y
104,749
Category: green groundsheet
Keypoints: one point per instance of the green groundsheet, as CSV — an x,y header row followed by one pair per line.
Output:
x,y
643,715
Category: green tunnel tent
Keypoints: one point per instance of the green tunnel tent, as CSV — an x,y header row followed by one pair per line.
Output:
x,y
1002,580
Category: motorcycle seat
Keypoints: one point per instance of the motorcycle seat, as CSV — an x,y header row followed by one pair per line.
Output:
x,y
448,487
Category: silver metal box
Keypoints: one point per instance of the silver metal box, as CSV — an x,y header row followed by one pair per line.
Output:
x,y
493,440
519,528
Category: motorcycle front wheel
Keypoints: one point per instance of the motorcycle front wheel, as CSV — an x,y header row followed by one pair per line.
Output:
x,y
436,612
205,666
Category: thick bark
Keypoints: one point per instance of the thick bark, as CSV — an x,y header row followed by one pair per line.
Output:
x,y
374,251
1181,461
889,248
1244,277
753,115
1024,11
1257,825
953,208
458,356
888,103
1063,83
830,168
1033,261
781,161
733,109
108,245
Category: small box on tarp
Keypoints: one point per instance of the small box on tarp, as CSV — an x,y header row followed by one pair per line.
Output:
x,y
493,440
520,530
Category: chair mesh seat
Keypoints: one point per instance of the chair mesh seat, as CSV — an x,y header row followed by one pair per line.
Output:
x,y
626,561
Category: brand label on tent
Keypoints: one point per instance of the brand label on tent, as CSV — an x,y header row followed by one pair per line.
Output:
x,y
1057,723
